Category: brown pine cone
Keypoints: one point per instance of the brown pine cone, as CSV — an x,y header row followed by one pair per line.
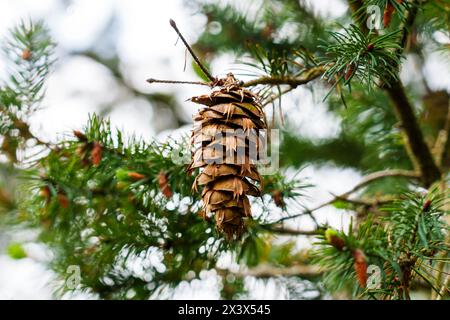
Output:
x,y
228,174
360,266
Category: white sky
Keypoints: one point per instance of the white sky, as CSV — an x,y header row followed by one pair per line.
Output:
x,y
145,43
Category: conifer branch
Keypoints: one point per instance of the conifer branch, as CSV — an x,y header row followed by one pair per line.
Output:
x,y
277,229
30,49
363,183
415,143
151,80
380,175
418,149
268,271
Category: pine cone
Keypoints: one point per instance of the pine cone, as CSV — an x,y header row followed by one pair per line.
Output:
x,y
163,183
349,72
426,206
63,200
96,153
80,135
135,176
333,239
360,266
277,197
387,16
5,199
26,54
227,162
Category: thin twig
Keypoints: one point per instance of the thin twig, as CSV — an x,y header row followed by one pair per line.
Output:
x,y
364,182
307,211
151,80
292,232
276,97
197,60
306,77
268,271
366,202
379,175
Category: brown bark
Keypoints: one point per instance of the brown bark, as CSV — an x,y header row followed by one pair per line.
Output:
x,y
420,151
